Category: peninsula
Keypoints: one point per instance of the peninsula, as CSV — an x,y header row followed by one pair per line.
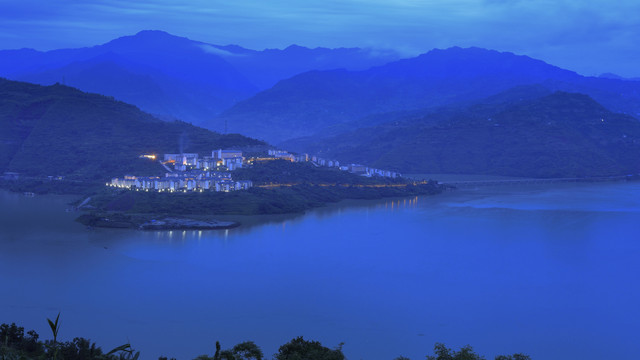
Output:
x,y
196,189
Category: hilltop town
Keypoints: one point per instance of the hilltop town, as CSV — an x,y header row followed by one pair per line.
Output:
x,y
189,172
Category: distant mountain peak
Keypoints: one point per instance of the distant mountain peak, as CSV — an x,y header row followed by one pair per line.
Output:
x,y
475,62
458,51
154,33
154,38
295,47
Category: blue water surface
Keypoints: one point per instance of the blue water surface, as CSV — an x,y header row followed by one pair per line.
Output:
x,y
549,271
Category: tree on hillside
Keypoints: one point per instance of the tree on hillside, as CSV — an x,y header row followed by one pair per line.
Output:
x,y
444,353
517,356
301,349
247,350
466,353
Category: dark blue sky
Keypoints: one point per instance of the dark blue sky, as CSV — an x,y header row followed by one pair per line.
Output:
x,y
588,36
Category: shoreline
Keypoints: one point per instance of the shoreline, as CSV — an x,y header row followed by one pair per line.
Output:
x,y
172,221
160,211
230,221
153,222
157,222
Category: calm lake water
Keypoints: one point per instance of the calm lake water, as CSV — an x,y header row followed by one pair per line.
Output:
x,y
549,271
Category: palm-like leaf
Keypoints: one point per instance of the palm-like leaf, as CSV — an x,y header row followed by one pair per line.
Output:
x,y
54,327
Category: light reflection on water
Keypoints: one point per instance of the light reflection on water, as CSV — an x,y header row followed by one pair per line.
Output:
x,y
322,213
506,270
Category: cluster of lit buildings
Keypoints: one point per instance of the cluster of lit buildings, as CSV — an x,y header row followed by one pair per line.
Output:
x,y
352,168
194,180
191,173
229,159
285,155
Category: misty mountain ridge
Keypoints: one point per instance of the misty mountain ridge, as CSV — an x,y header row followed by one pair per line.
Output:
x,y
184,79
307,103
179,79
265,68
174,77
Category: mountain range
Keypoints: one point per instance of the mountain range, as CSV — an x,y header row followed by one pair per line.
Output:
x,y
308,103
458,110
174,77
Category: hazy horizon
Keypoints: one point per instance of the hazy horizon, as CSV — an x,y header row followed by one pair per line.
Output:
x,y
580,36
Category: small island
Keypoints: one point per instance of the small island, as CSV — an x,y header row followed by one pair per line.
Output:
x,y
195,189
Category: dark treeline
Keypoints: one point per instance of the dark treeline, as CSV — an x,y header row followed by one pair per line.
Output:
x,y
16,345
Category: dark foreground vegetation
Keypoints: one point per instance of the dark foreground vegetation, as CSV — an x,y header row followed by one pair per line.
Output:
x,y
15,344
